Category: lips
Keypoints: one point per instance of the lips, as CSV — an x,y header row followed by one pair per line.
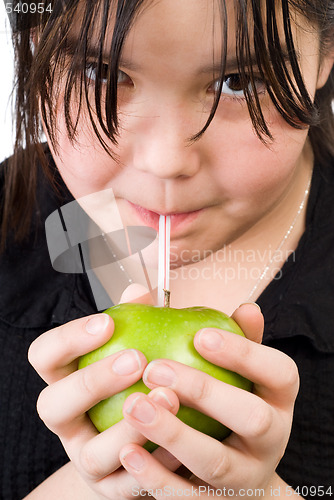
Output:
x,y
150,218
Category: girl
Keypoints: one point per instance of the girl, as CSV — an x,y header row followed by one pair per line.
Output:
x,y
217,113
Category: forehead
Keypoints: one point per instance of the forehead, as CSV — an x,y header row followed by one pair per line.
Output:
x,y
178,22
172,28
195,28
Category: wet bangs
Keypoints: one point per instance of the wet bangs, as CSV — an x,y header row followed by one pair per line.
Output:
x,y
265,47
80,33
265,44
68,44
53,48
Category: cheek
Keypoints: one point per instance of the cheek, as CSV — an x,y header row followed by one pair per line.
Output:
x,y
249,168
84,165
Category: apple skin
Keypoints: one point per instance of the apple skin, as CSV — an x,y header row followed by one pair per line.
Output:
x,y
163,332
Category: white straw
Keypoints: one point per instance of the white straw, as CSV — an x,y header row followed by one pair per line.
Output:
x,y
167,258
164,258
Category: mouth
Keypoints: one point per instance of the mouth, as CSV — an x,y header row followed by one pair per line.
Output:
x,y
151,218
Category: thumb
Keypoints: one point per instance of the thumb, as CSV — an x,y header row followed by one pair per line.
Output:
x,y
137,293
250,319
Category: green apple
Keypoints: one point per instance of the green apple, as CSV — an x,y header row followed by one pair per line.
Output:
x,y
163,332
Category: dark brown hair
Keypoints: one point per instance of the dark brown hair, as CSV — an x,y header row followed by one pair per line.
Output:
x,y
38,70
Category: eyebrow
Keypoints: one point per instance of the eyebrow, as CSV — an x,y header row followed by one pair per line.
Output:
x,y
232,62
93,52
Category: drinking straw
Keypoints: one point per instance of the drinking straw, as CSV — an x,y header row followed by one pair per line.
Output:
x,y
164,261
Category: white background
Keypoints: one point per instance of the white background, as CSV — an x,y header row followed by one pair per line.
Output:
x,y
6,84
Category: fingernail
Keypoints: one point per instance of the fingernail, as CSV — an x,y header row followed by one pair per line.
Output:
x,y
134,460
210,339
127,363
252,303
158,373
161,398
97,324
141,410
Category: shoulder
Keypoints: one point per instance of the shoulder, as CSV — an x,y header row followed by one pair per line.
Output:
x,y
34,295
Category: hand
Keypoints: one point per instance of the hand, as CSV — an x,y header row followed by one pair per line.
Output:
x,y
70,393
260,421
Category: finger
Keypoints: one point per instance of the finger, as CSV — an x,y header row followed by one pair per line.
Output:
x,y
95,454
124,485
274,374
251,321
166,459
62,404
137,293
166,398
54,354
119,485
243,412
204,456
151,475
95,458
120,481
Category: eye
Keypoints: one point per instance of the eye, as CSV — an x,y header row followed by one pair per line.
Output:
x,y
92,73
123,77
234,86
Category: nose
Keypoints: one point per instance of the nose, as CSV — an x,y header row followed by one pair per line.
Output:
x,y
163,149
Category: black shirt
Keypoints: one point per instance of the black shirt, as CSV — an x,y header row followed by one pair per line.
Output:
x,y
299,317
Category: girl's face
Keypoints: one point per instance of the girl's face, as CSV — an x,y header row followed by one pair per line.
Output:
x,y
218,187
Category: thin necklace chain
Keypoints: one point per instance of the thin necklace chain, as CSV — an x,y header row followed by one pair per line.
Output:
x,y
120,265
267,266
282,242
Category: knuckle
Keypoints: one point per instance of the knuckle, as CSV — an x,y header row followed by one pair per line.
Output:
x,y
123,490
173,436
242,346
90,463
42,366
290,376
65,337
216,469
40,355
45,409
88,382
200,388
32,354
36,356
159,484
260,419
241,350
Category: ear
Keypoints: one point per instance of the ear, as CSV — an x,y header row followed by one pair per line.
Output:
x,y
326,67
